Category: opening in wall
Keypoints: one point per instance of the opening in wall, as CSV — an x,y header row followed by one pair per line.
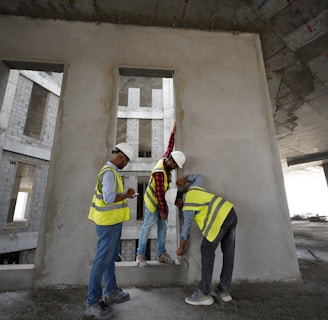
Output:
x,y
142,185
21,196
36,111
29,102
145,118
144,137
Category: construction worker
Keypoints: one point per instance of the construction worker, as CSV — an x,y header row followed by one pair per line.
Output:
x,y
108,211
217,221
156,210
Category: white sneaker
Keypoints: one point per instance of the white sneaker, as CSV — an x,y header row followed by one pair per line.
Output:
x,y
198,298
224,296
141,261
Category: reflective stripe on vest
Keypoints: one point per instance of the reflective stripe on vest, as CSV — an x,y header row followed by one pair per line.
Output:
x,y
104,214
212,210
149,196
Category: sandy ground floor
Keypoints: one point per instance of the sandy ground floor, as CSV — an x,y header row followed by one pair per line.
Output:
x,y
305,299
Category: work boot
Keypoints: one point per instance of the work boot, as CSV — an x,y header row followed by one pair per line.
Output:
x,y
141,261
117,296
99,310
165,258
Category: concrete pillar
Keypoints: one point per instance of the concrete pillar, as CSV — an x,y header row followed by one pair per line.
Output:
x,y
8,99
325,170
132,128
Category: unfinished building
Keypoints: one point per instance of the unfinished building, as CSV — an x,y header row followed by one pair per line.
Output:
x,y
28,111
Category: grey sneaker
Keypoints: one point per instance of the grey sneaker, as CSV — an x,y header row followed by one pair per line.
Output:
x,y
141,261
224,295
118,296
198,298
99,310
165,258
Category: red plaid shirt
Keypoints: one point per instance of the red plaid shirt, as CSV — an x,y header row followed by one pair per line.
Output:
x,y
159,177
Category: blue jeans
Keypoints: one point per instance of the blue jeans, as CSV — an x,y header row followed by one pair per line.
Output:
x,y
149,221
108,249
227,238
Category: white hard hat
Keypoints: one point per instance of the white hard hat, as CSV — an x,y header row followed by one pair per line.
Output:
x,y
179,158
126,149
171,195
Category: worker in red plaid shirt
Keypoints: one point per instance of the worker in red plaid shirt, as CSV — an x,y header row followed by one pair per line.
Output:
x,y
156,210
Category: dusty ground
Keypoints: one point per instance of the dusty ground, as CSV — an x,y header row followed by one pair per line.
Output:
x,y
306,299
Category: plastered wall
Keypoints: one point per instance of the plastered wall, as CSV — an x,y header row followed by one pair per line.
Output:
x,y
224,126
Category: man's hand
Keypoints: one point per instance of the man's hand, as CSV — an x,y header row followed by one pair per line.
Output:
x,y
122,196
180,250
181,181
130,193
174,127
164,215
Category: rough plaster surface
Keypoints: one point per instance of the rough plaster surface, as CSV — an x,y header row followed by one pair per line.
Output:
x,y
224,124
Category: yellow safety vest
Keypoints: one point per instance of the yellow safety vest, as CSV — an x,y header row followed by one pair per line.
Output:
x,y
212,209
104,214
149,196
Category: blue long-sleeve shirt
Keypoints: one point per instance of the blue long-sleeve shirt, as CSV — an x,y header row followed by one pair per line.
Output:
x,y
107,181
196,180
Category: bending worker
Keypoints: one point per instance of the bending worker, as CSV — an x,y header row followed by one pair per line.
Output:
x,y
217,221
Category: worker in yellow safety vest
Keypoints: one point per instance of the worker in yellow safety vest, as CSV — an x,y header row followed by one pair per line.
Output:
x,y
155,209
108,211
217,220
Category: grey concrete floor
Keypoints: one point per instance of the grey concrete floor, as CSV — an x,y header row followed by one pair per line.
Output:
x,y
305,299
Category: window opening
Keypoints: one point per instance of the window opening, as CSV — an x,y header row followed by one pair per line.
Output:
x,y
22,193
10,258
142,185
145,118
36,111
145,137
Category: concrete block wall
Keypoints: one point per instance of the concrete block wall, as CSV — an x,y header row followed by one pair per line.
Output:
x,y
20,107
8,166
128,250
27,257
19,112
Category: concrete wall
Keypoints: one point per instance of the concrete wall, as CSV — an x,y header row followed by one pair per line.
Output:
x,y
224,125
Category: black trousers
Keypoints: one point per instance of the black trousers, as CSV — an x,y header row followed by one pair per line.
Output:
x,y
226,237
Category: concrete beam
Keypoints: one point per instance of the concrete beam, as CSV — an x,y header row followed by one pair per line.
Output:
x,y
307,158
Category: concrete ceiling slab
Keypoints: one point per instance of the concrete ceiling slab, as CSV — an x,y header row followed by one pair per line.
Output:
x,y
294,37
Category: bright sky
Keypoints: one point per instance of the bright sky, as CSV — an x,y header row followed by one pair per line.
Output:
x,y
307,191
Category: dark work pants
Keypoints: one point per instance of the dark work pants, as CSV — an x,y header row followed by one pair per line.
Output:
x,y
227,238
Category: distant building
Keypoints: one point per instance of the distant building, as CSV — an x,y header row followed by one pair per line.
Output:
x,y
28,108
